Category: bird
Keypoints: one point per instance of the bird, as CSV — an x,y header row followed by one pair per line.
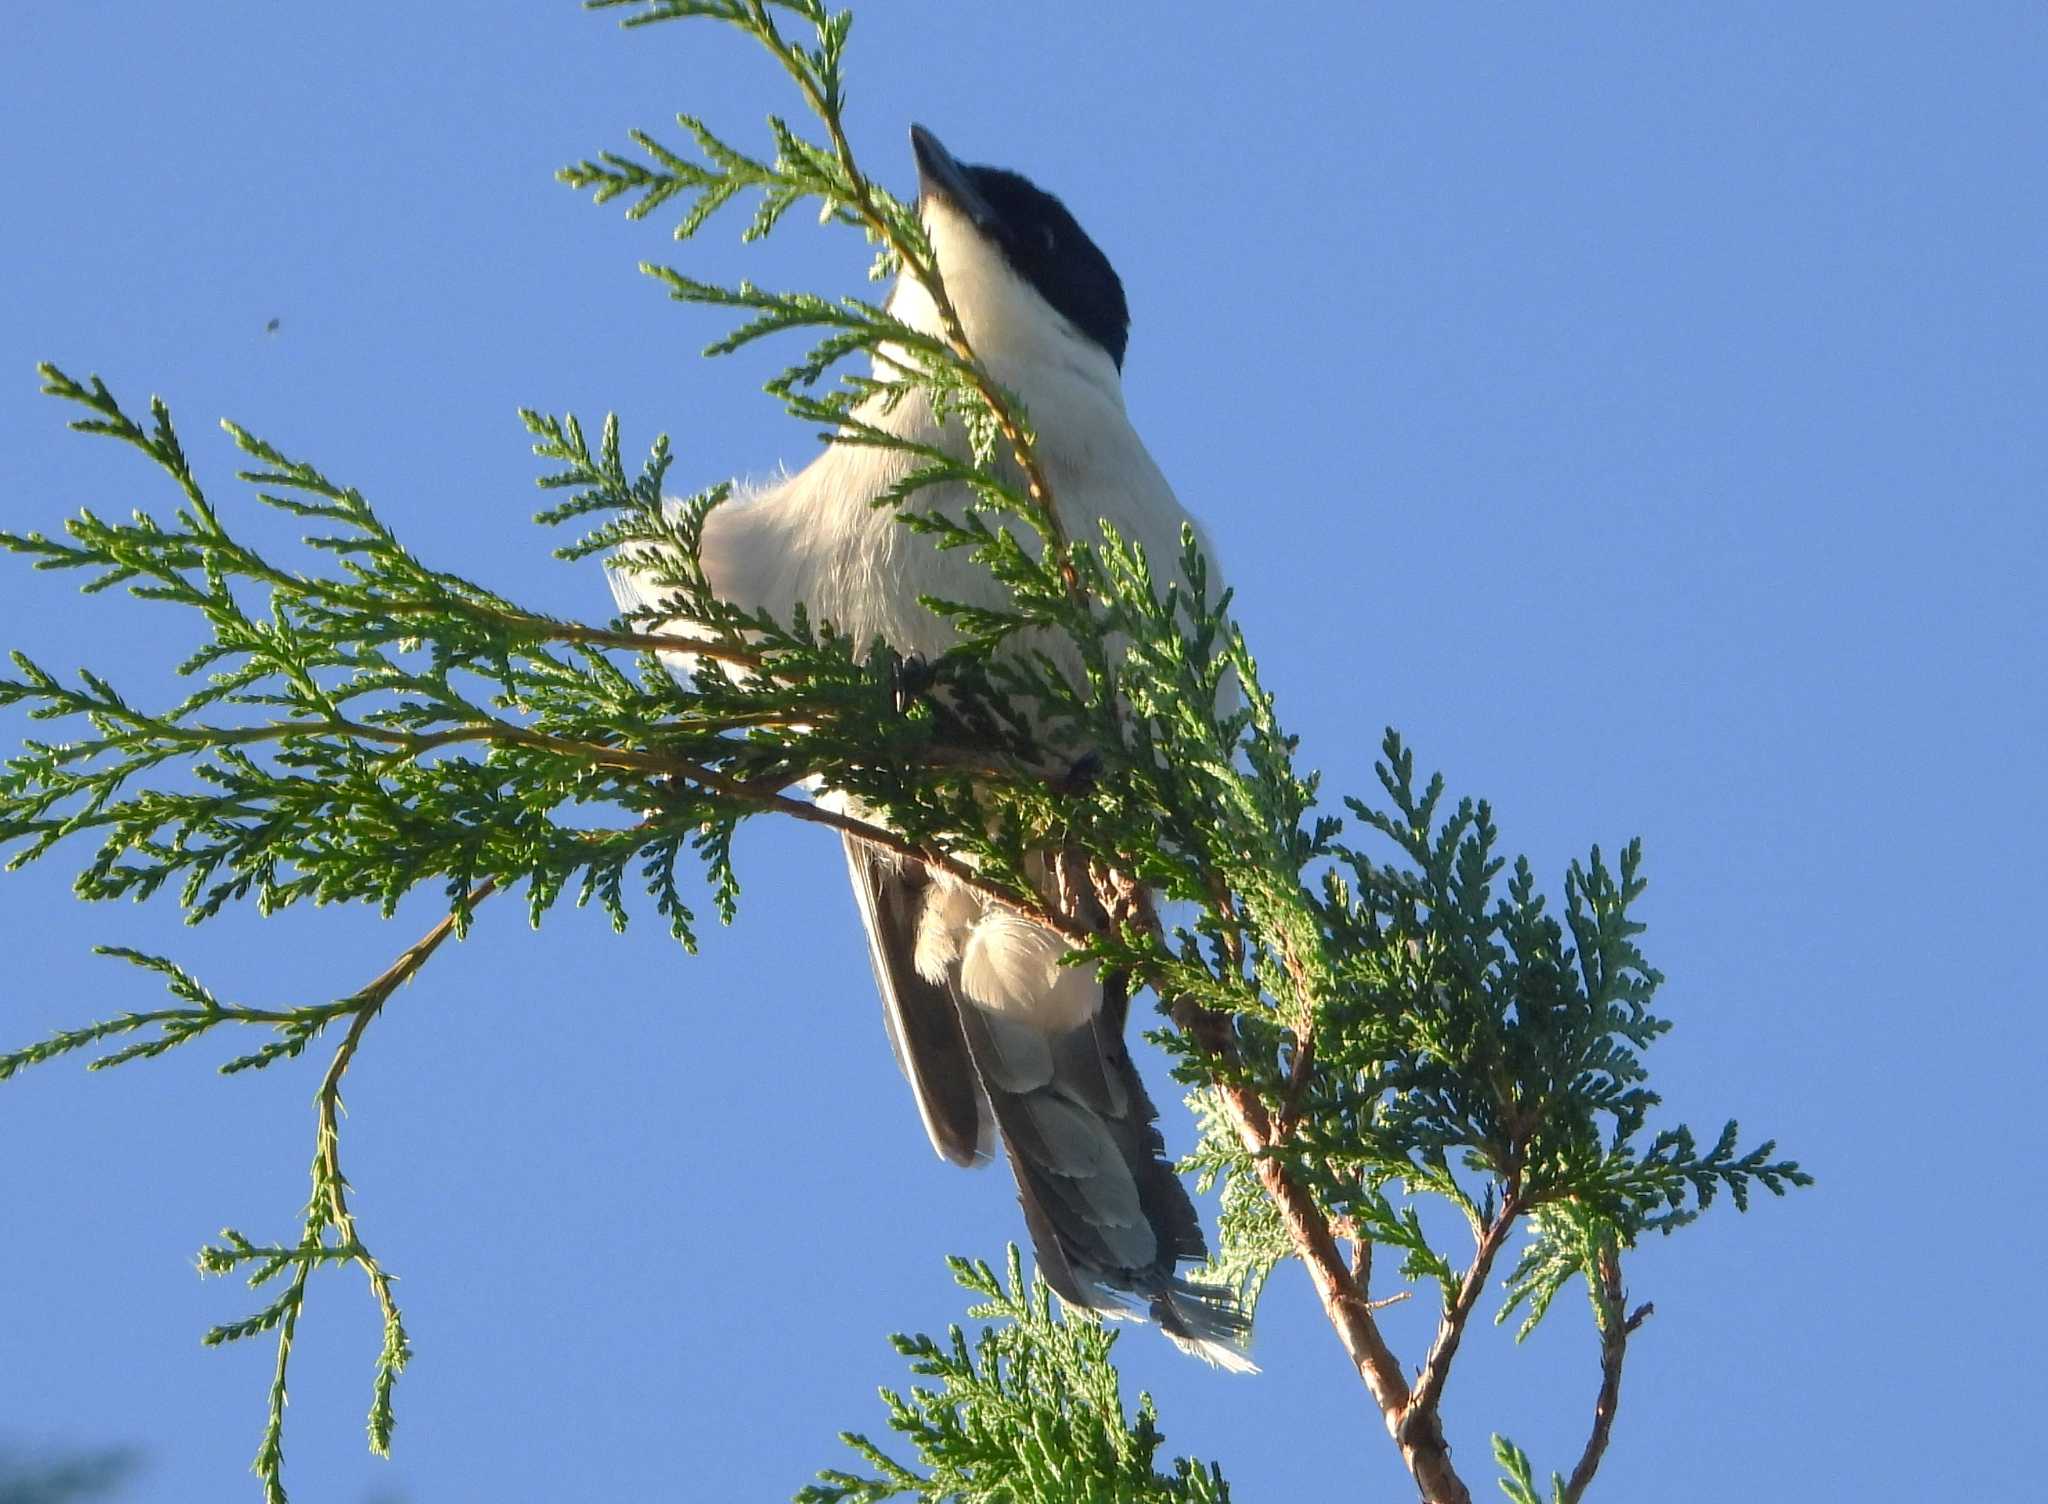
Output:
x,y
997,1039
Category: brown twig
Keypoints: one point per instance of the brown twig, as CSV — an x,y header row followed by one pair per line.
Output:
x,y
374,996
1298,1075
328,1108
1420,1421
1615,1330
1337,1284
1344,1303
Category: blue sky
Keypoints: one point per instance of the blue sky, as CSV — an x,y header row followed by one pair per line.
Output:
x,y
1640,407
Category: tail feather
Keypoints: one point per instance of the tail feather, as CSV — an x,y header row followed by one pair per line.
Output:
x,y
1036,1051
922,1017
1207,1321
1110,1219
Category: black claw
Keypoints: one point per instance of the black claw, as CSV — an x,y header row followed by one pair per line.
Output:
x,y
1081,774
908,678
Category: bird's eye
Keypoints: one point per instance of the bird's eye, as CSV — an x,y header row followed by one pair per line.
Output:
x,y
1052,241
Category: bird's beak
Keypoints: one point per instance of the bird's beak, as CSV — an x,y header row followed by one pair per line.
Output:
x,y
940,177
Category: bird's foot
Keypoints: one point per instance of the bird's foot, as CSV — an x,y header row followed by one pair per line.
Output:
x,y
909,677
1081,774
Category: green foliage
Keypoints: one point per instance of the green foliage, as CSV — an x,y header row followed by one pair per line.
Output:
x,y
295,1027
1030,1413
1376,1024
1251,1241
1519,1475
1470,1046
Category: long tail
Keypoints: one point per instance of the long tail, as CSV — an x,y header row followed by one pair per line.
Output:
x,y
1109,1218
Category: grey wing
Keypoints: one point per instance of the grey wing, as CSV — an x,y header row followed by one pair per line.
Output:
x,y
922,1018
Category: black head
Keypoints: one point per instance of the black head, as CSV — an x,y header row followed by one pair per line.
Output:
x,y
1041,241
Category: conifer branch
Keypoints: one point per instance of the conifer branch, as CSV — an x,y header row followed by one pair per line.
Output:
x,y
1364,1028
1617,1324
328,1211
397,1348
816,75
1419,1416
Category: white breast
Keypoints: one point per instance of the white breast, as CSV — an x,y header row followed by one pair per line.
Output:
x,y
814,538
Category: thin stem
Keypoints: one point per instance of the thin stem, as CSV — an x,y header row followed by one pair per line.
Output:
x,y
1344,1301
1298,1076
1615,1330
547,629
1021,448
373,998
1337,1284
1436,1368
328,1176
329,1208
270,1454
341,597
623,759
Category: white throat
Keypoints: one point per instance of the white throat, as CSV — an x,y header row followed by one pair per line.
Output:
x,y
1027,344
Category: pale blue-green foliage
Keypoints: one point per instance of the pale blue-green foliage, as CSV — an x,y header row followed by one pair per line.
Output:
x,y
365,723
1251,1240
